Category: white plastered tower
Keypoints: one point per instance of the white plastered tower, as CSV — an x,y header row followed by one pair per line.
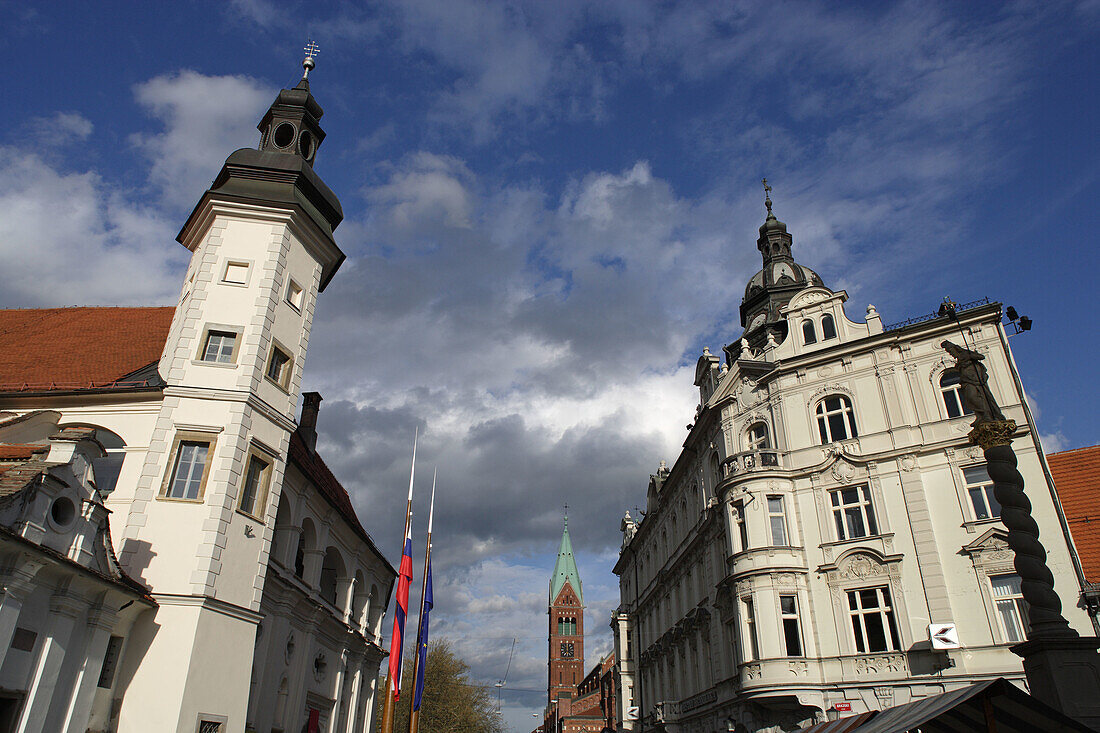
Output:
x,y
200,527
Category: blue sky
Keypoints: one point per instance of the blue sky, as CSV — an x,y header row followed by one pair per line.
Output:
x,y
551,208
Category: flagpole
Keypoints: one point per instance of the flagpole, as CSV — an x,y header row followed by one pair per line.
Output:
x,y
388,708
414,712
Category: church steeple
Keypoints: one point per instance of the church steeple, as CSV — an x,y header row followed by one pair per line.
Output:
x,y
291,124
565,569
566,611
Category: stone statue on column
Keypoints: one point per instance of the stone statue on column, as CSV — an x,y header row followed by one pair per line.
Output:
x,y
1063,669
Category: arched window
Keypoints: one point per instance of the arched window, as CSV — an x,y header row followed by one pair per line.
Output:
x,y
836,420
952,395
828,328
332,569
305,542
756,437
809,335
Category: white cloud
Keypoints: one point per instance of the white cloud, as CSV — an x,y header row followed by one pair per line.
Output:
x,y
60,129
68,238
205,118
1054,442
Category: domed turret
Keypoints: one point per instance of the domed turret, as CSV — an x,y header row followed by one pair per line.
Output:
x,y
773,286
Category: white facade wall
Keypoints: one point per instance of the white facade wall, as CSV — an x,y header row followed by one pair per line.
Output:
x,y
696,666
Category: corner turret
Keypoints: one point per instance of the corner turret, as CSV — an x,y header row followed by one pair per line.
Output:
x,y
773,286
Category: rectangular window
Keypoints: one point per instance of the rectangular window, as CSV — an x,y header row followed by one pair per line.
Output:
x,y
750,629
236,273
189,471
980,489
853,513
254,490
294,295
792,631
220,347
110,662
1011,606
872,616
210,726
278,367
777,517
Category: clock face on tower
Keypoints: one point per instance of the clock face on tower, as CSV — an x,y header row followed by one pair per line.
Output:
x,y
567,650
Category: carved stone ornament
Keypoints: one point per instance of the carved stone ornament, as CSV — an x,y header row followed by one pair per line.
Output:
x,y
993,433
807,297
907,462
860,566
752,671
880,663
798,669
833,388
843,471
785,579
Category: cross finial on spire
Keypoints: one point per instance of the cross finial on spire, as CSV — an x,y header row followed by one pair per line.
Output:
x,y
767,194
311,49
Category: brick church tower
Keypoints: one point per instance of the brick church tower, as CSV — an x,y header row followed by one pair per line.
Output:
x,y
566,612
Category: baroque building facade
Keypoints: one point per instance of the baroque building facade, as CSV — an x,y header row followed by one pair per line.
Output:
x,y
246,595
826,512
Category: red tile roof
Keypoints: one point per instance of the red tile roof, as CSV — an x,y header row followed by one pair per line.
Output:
x,y
78,348
1077,479
21,452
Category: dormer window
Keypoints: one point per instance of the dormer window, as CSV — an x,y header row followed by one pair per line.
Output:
x,y
828,328
809,334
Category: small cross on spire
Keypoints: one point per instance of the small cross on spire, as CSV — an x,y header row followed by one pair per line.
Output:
x,y
767,194
311,49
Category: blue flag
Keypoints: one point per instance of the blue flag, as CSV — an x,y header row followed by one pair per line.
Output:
x,y
422,642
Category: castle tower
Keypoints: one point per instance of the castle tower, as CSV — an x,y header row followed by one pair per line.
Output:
x,y
566,612
200,528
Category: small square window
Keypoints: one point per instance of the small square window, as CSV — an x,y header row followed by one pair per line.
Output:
x,y
236,273
295,295
254,488
220,347
278,367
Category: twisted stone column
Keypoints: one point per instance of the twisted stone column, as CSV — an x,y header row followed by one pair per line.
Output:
x,y
1036,580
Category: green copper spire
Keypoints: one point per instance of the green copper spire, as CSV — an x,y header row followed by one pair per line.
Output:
x,y
565,569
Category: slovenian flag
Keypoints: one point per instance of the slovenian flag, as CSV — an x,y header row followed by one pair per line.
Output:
x,y
422,642
404,580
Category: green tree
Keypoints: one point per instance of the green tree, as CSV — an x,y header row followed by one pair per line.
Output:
x,y
453,703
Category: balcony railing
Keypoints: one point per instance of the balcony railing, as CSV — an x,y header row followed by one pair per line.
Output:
x,y
753,460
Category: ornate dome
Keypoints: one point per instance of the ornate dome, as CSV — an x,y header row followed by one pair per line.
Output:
x,y
782,274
